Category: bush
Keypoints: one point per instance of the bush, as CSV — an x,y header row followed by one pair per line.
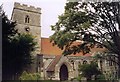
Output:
x,y
101,77
79,78
30,76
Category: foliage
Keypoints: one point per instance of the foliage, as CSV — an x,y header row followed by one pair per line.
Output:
x,y
9,27
101,77
8,31
88,70
79,77
95,23
30,76
16,48
91,22
22,47
20,53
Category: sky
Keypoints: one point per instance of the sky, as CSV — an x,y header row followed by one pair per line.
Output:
x,y
50,10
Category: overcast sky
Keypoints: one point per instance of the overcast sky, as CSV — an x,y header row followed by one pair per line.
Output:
x,y
50,10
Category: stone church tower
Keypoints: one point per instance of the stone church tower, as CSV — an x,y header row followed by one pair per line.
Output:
x,y
28,21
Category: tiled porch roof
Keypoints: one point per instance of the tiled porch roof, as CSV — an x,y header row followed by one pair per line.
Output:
x,y
51,67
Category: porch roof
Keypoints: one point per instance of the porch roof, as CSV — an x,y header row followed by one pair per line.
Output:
x,y
51,67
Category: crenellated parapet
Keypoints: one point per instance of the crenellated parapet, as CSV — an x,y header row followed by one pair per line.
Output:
x,y
27,7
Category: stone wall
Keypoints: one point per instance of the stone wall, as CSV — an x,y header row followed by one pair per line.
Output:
x,y
28,20
71,62
20,11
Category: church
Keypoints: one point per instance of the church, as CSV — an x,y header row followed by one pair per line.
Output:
x,y
50,62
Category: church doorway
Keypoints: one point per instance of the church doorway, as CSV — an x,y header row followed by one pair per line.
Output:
x,y
63,73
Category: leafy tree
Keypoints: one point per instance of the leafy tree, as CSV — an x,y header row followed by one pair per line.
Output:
x,y
16,48
88,70
95,23
22,47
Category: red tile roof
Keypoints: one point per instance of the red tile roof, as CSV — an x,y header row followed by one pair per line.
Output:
x,y
47,48
51,67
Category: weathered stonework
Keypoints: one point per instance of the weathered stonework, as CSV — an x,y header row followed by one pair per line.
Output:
x,y
71,62
28,21
19,14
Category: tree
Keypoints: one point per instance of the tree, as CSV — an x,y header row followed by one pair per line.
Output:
x,y
95,23
22,50
88,70
8,31
16,48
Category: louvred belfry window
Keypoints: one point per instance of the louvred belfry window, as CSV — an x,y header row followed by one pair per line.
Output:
x,y
27,19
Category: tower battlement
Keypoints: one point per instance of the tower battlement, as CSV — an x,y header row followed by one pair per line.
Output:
x,y
27,7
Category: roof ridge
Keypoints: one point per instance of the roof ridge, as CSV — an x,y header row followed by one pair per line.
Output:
x,y
45,38
51,66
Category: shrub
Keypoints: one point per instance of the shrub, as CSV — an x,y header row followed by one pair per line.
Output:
x,y
101,77
30,76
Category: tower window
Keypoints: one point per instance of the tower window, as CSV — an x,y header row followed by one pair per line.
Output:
x,y
27,19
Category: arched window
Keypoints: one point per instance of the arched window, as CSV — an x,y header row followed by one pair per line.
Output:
x,y
27,19
84,62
